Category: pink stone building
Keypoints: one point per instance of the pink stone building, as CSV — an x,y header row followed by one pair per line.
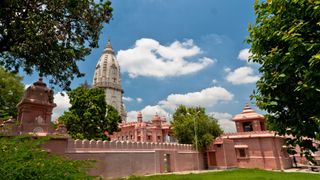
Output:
x,y
34,113
156,130
252,146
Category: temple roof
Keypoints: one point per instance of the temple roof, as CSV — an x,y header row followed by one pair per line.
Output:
x,y
248,114
38,93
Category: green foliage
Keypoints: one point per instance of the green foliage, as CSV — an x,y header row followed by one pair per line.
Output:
x,y
89,117
190,121
50,36
285,40
11,90
22,158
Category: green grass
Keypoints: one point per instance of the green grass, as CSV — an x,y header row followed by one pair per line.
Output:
x,y
238,174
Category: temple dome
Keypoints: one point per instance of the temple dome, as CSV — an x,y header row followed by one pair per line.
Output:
x,y
107,73
38,93
248,114
107,76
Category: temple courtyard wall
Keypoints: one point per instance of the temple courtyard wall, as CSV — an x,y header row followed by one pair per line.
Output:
x,y
118,159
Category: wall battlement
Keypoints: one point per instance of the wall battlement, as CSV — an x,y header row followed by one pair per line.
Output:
x,y
98,145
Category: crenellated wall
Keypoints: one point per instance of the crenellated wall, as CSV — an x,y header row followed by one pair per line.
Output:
x,y
93,145
122,158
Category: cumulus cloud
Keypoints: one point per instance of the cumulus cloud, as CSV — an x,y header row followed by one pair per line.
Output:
x,y
205,98
244,54
242,75
147,112
224,119
149,58
227,69
63,103
139,100
127,99
214,82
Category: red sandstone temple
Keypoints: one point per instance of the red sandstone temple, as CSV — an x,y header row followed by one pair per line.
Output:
x,y
156,130
252,146
143,147
34,113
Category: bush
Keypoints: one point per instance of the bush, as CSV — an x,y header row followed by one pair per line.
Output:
x,y
22,158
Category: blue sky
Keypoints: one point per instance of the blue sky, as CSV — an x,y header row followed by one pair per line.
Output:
x,y
178,51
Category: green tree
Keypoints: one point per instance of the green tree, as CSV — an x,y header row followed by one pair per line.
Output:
x,y
11,90
22,158
191,124
50,36
89,117
285,41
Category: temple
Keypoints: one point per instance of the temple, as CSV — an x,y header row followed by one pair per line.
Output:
x,y
252,146
107,76
145,147
34,113
156,130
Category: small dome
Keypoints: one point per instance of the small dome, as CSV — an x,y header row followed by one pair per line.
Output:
x,y
156,118
248,114
38,93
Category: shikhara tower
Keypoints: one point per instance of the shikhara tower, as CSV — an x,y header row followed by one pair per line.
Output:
x,y
107,76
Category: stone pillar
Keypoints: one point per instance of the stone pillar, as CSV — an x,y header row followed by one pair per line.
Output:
x,y
256,125
239,127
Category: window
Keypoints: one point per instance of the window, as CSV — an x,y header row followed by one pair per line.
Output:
x,y
242,153
247,126
149,138
159,138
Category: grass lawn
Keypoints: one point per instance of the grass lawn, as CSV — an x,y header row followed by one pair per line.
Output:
x,y
238,174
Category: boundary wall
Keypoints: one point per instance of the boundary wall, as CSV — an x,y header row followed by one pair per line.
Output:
x,y
122,158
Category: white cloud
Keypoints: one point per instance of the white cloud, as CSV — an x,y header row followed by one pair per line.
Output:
x,y
147,112
128,99
62,105
244,54
227,69
149,58
214,82
139,100
242,75
205,98
224,119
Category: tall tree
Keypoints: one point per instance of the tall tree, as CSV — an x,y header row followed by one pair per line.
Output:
x,y
50,36
192,124
89,117
285,40
11,90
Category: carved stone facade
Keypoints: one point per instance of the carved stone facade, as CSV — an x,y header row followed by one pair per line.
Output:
x,y
107,76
